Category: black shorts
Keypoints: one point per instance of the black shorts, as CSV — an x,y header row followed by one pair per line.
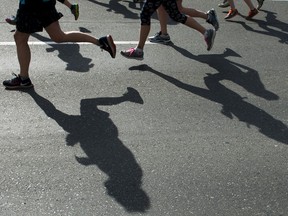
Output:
x,y
30,22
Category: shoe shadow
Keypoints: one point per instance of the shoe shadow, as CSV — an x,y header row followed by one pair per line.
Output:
x,y
69,53
97,135
232,104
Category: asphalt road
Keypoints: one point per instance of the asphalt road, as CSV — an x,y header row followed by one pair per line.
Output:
x,y
198,133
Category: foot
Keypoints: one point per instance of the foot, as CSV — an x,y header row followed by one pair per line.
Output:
x,y
209,37
252,13
224,4
18,83
133,53
75,10
260,4
231,13
107,44
11,20
212,19
160,38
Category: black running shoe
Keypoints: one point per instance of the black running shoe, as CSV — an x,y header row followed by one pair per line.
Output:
x,y
209,37
212,19
17,83
107,44
260,4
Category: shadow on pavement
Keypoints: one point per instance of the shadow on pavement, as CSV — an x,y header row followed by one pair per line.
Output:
x,y
240,74
118,8
98,138
69,53
269,27
232,104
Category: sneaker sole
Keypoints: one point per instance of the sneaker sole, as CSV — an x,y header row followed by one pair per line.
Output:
x,y
216,18
112,46
226,18
212,41
136,58
18,87
160,42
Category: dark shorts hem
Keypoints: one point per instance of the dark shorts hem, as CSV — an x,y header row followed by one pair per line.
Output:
x,y
31,22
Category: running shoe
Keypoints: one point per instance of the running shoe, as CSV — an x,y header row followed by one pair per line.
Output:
x,y
107,44
260,4
231,13
212,18
252,13
209,37
224,4
133,53
17,83
160,38
11,20
75,10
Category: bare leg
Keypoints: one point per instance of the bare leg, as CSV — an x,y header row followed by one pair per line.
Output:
x,y
232,5
67,3
192,23
191,12
163,16
23,52
163,19
250,4
144,32
56,34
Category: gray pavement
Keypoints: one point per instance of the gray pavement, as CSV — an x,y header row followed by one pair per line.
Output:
x,y
198,133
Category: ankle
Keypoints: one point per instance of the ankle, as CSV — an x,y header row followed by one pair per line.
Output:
x,y
23,77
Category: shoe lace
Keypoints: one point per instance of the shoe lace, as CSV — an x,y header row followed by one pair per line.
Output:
x,y
131,51
14,74
16,78
158,34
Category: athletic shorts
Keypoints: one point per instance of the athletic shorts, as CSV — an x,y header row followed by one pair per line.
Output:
x,y
30,22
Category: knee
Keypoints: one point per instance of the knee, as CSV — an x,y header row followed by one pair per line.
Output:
x,y
180,18
145,19
21,38
57,38
180,8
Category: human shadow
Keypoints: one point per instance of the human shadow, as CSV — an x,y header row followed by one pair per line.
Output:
x,y
232,104
134,4
116,7
98,137
242,75
69,53
269,27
